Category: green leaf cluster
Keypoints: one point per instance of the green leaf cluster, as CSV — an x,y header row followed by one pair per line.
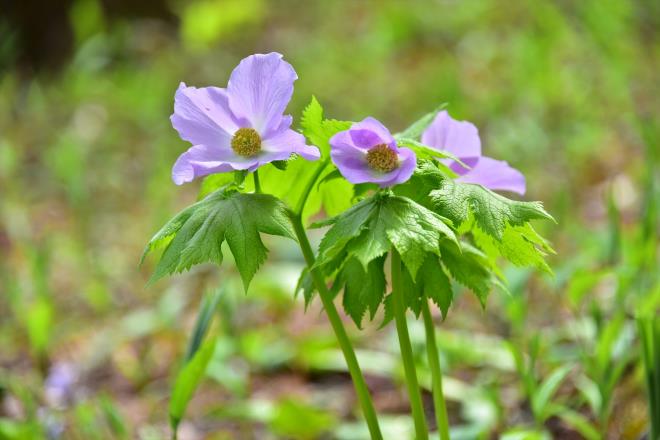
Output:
x,y
356,245
498,226
421,220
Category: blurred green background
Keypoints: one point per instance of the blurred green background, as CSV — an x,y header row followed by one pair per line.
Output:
x,y
567,92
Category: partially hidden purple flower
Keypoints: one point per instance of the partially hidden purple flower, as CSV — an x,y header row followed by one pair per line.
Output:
x,y
367,152
461,138
241,127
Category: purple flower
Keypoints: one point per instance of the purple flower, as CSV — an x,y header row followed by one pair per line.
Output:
x,y
461,139
60,383
241,127
367,152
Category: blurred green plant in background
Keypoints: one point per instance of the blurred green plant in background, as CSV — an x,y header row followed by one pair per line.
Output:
x,y
565,91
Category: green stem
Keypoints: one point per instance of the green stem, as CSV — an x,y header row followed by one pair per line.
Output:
x,y
436,373
257,184
414,394
340,332
308,188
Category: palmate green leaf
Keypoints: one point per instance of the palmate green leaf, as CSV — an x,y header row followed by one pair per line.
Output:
x,y
413,230
363,289
345,228
412,293
372,227
434,283
431,282
196,234
521,245
426,178
492,212
357,243
499,226
470,268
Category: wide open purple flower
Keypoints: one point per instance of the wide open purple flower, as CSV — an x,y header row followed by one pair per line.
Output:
x,y
367,152
241,127
461,138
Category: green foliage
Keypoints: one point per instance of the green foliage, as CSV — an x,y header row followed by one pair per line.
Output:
x,y
16,430
198,355
213,182
206,22
55,153
187,380
492,212
305,285
203,322
426,153
604,362
196,234
649,333
470,268
38,319
542,397
113,417
433,282
521,245
499,226
319,130
364,288
333,198
299,421
375,225
360,237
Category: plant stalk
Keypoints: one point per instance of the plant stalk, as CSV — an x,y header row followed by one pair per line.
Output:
x,y
257,184
436,372
308,188
414,393
649,335
340,332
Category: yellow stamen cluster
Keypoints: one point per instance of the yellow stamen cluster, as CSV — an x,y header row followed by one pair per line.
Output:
x,y
246,142
382,158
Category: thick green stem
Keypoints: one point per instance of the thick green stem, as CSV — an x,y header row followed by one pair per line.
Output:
x,y
340,332
257,184
436,373
414,393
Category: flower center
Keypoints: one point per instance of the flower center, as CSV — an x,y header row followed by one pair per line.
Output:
x,y
246,142
382,158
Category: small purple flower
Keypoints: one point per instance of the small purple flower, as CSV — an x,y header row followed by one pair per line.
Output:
x,y
461,138
367,152
241,127
60,384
